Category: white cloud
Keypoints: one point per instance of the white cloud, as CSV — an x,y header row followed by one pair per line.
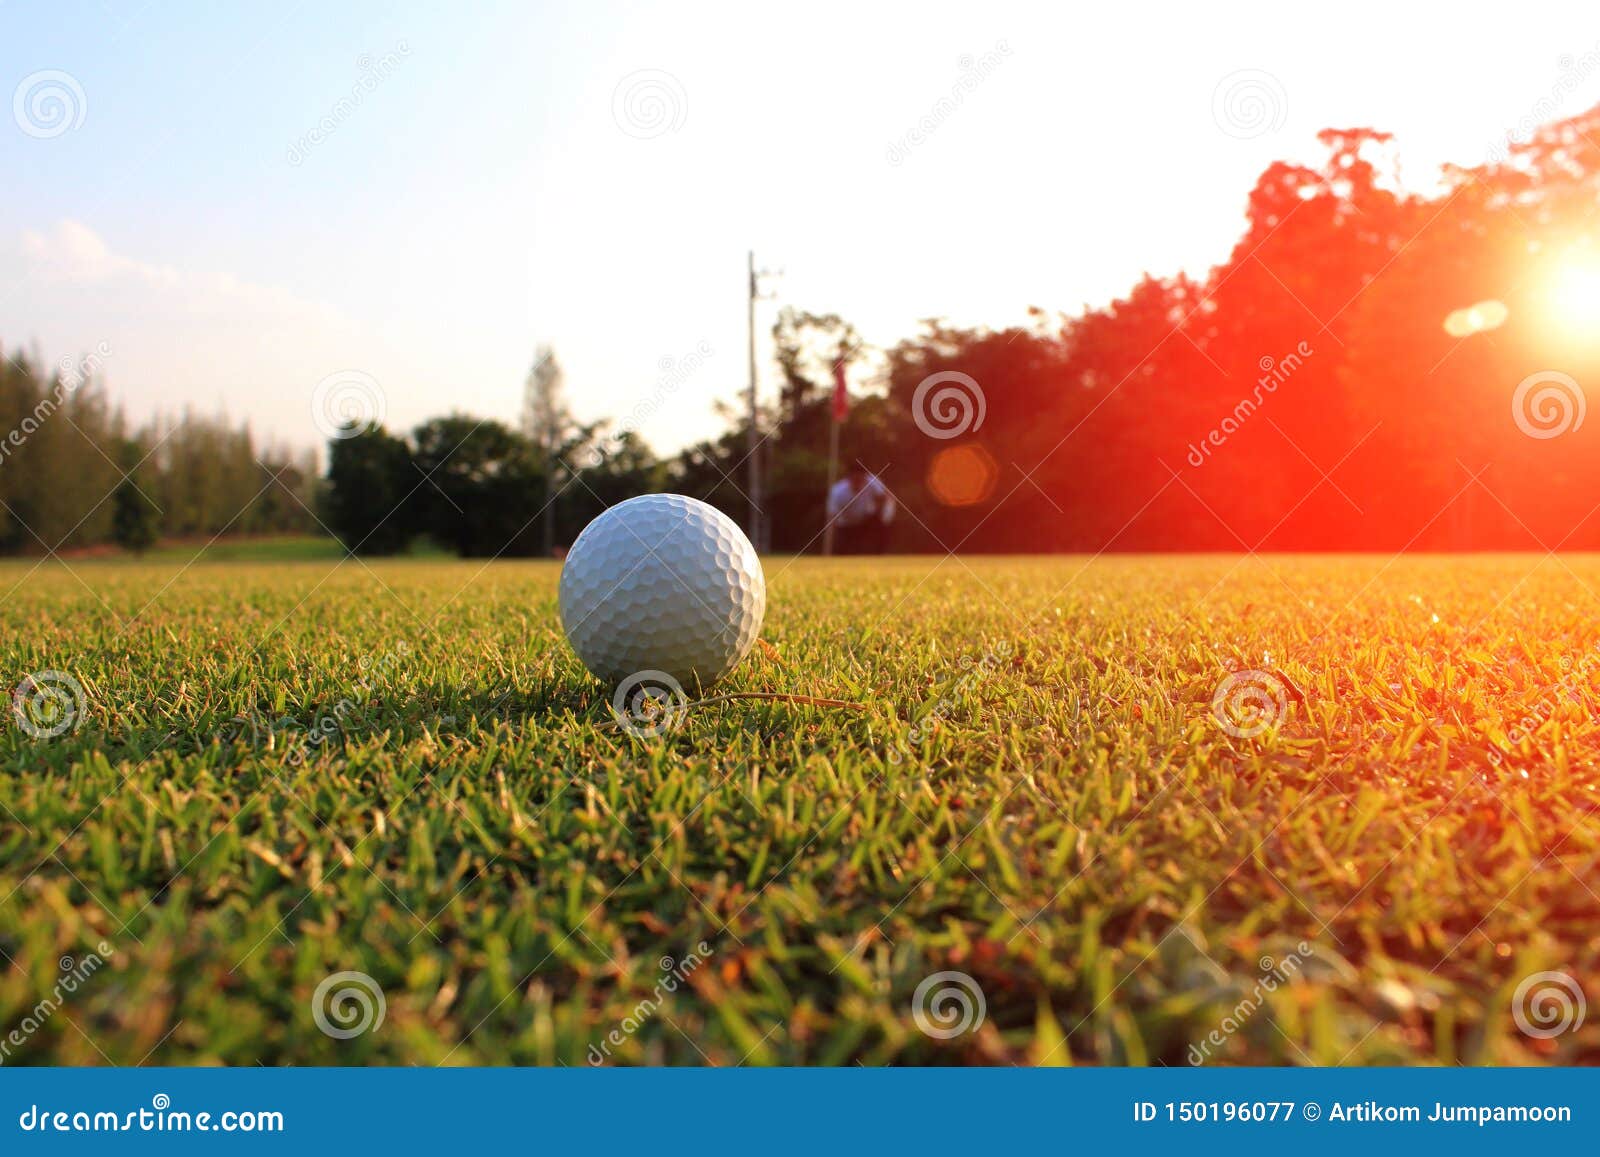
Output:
x,y
177,336
74,254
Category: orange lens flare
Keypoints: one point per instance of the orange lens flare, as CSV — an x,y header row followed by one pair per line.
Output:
x,y
962,475
1479,318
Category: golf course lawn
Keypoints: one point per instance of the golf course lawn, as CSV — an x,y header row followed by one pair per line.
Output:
x,y
280,771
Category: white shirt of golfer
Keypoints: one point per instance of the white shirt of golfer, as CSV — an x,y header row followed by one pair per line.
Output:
x,y
848,507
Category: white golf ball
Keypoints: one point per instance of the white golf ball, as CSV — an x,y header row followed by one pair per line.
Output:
x,y
662,583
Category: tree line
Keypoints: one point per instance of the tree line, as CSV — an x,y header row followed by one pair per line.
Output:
x,y
1373,367
75,473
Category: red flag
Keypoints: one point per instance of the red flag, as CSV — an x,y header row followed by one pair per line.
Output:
x,y
841,399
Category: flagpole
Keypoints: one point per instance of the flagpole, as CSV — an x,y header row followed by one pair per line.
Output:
x,y
752,435
837,411
833,476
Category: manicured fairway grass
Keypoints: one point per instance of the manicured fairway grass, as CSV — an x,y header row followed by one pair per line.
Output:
x,y
1037,795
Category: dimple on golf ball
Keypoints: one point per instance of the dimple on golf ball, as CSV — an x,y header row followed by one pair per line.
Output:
x,y
662,583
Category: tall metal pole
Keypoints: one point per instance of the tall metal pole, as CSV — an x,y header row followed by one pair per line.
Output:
x,y
753,441
833,476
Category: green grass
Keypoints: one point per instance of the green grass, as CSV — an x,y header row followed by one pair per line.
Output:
x,y
265,549
1038,795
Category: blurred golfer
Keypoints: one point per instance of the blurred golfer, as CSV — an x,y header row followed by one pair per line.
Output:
x,y
860,509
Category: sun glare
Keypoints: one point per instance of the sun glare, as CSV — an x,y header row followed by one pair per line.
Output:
x,y
1575,298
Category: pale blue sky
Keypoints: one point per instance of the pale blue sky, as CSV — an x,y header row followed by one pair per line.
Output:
x,y
492,190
